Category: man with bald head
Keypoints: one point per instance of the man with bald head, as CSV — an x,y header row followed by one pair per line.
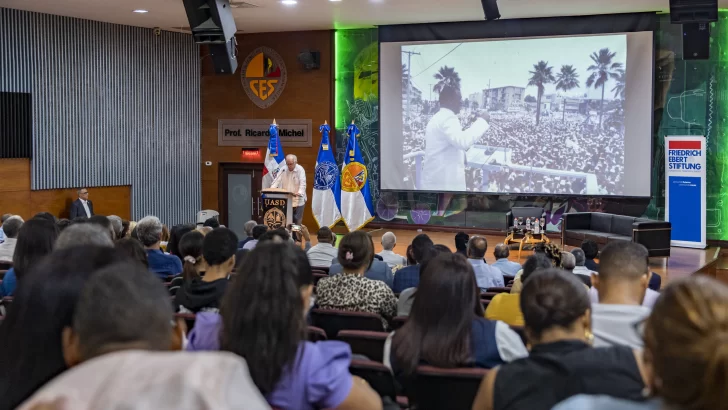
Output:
x,y
501,253
389,241
486,276
292,178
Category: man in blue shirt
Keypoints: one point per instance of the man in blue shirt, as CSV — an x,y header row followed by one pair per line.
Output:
x,y
506,267
409,277
486,276
149,231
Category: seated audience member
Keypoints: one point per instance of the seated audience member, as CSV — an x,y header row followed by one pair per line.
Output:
x,y
133,249
622,283
205,293
486,275
562,362
442,248
351,290
407,297
175,235
204,230
31,333
190,250
409,277
35,240
149,230
131,230
377,270
11,227
81,234
568,263
410,256
46,215
591,251
461,243
322,254
111,356
63,224
3,218
683,352
389,241
276,283
103,222
501,253
550,251
580,260
258,231
116,224
507,306
212,223
456,336
248,227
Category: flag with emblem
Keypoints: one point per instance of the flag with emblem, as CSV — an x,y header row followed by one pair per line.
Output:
x,y
326,199
356,198
275,160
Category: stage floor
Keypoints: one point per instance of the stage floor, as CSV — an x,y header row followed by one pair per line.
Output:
x,y
681,263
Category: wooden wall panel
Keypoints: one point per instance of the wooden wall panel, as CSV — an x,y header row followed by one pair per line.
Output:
x,y
307,96
14,174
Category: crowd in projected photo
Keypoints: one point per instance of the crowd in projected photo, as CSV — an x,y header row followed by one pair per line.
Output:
x,y
554,110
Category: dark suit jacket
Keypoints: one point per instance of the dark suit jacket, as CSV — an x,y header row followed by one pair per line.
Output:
x,y
77,209
378,271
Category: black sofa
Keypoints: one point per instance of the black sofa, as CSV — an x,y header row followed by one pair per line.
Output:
x,y
604,228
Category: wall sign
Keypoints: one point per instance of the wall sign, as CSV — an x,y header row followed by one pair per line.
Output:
x,y
685,190
252,133
264,76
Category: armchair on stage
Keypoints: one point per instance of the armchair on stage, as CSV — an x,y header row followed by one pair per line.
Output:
x,y
277,207
522,233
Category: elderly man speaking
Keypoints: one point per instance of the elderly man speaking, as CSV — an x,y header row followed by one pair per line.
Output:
x,y
293,179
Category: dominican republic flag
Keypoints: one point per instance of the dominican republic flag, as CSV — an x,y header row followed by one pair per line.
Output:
x,y
326,200
275,160
356,198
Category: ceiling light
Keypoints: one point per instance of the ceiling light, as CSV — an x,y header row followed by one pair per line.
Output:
x,y
334,1
141,11
289,2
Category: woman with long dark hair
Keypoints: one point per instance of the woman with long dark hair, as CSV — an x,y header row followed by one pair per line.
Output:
x,y
446,327
562,363
175,235
263,321
35,240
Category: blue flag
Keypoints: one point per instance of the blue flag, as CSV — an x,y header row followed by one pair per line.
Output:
x,y
356,198
326,200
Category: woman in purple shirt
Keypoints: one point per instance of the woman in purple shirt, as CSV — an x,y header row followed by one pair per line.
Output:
x,y
263,320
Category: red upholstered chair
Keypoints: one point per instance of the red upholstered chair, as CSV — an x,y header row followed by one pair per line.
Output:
x,y
367,343
488,295
320,269
189,319
507,278
379,377
499,289
333,321
485,303
315,334
318,276
398,322
453,389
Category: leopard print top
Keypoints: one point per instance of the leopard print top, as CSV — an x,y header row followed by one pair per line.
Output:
x,y
356,293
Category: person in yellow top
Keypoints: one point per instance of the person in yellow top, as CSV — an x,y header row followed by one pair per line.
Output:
x,y
506,307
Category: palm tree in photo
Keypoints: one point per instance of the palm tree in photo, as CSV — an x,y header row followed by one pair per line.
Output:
x,y
446,76
618,89
540,76
567,79
602,70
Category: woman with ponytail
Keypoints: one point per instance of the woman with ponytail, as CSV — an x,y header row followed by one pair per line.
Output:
x,y
204,293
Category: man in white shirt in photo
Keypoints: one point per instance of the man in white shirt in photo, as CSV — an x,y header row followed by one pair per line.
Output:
x,y
293,179
389,241
446,143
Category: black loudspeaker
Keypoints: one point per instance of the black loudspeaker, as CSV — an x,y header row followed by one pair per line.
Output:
x,y
696,41
212,23
490,8
693,11
310,60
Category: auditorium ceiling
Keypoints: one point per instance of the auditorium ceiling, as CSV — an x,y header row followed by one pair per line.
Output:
x,y
254,16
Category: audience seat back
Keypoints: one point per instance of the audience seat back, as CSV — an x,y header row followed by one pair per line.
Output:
x,y
453,389
366,343
315,334
189,319
378,376
318,276
334,321
499,289
398,322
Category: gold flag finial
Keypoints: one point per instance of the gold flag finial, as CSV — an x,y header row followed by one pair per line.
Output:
x,y
274,121
326,122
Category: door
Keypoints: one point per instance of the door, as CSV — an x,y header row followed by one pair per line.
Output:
x,y
240,186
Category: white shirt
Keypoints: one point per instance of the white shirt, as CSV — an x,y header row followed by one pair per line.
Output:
x,y
393,259
7,249
321,255
614,325
85,207
292,181
582,270
445,146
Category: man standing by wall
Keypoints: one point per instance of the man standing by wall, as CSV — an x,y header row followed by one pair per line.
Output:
x,y
82,207
293,179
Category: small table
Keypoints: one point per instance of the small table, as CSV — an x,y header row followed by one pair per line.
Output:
x,y
529,238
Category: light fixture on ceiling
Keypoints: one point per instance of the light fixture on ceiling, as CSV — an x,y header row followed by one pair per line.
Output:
x,y
334,1
289,2
141,11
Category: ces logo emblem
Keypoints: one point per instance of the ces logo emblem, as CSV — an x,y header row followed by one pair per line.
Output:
x,y
264,76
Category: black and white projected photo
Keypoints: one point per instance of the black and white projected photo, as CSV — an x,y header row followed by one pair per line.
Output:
x,y
537,115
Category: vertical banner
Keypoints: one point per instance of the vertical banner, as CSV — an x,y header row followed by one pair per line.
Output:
x,y
685,190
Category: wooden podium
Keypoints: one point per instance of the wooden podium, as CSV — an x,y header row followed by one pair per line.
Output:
x,y
277,207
